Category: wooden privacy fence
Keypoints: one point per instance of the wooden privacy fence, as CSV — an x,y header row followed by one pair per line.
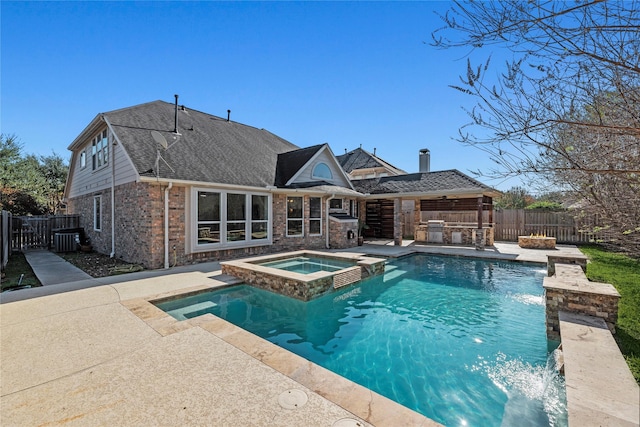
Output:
x,y
36,232
508,224
511,223
6,231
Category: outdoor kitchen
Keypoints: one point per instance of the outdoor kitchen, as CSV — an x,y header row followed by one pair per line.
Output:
x,y
451,233
455,221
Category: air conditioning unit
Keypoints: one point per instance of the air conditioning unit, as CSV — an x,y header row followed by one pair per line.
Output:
x,y
66,242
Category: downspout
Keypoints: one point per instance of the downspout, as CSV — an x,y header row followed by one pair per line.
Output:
x,y
333,196
113,201
166,225
113,186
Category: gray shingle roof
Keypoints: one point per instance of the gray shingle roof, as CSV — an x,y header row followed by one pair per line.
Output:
x,y
210,148
425,182
362,159
289,163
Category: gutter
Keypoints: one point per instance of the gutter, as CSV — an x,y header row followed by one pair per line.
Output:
x,y
166,225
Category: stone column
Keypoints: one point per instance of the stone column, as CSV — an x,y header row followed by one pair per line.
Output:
x,y
480,239
397,221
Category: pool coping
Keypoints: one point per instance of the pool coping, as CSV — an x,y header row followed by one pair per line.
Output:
x,y
364,403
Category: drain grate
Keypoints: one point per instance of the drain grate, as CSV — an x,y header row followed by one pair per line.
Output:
x,y
348,422
293,399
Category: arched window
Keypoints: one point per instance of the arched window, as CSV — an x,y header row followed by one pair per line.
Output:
x,y
322,171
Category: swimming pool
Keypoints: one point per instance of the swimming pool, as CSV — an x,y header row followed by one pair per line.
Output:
x,y
461,341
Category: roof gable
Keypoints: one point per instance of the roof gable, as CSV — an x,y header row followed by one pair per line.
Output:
x,y
296,168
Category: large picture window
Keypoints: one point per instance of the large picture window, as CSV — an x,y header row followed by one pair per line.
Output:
x,y
230,219
315,215
295,216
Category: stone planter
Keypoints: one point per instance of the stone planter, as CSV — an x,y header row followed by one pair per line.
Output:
x,y
532,242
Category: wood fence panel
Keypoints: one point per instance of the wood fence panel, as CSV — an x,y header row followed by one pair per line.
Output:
x,y
511,223
36,232
408,224
5,238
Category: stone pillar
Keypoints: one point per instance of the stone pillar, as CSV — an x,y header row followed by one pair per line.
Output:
x,y
480,239
417,216
397,221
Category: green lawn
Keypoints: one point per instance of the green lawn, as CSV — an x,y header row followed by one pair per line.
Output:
x,y
623,273
16,267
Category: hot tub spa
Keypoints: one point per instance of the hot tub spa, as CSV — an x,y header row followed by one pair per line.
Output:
x,y
304,275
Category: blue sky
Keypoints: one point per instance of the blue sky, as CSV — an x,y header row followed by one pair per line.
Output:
x,y
349,74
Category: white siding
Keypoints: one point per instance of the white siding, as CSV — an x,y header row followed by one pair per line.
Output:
x,y
324,157
86,180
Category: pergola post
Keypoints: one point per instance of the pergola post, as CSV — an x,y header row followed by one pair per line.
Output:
x,y
480,237
397,221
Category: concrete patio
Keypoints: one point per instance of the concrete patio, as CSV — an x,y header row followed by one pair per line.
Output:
x,y
92,352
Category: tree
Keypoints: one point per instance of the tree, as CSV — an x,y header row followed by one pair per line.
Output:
x,y
565,111
54,171
514,198
29,185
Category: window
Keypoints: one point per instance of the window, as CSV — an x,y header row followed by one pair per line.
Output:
x,y
294,216
100,150
227,219
83,159
208,217
97,213
259,217
335,204
315,215
322,171
236,217
353,207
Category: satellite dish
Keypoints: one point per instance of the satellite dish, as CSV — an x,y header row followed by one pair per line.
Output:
x,y
157,136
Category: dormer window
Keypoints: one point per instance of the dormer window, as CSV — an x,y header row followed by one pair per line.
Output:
x,y
321,171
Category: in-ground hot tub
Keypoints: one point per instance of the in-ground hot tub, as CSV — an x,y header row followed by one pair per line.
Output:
x,y
304,275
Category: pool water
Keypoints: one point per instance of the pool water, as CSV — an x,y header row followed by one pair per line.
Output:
x,y
461,341
306,265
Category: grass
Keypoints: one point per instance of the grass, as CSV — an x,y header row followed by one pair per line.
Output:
x,y
16,267
623,273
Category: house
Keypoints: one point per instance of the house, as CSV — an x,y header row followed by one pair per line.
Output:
x,y
161,184
361,164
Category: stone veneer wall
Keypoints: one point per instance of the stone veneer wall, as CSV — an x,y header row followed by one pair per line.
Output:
x,y
304,291
570,291
467,234
339,233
